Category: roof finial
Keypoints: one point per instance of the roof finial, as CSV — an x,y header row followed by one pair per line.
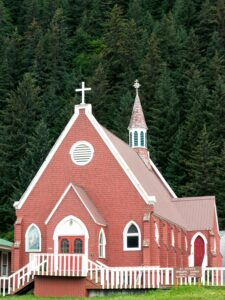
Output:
x,y
82,90
136,86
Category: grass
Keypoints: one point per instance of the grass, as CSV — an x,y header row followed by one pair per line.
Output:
x,y
181,293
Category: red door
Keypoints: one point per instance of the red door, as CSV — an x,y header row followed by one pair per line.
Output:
x,y
71,245
199,249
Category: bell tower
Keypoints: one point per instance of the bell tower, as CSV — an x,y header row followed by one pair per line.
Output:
x,y
138,129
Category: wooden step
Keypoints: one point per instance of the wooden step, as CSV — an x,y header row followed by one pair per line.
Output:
x,y
24,288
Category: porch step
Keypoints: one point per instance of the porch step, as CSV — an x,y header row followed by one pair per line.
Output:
x,y
92,285
24,288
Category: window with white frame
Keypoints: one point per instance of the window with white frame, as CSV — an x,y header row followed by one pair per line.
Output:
x,y
4,264
156,233
131,237
101,244
135,138
33,239
142,138
214,246
186,243
131,144
172,238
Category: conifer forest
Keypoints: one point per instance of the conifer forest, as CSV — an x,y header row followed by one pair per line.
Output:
x,y
175,48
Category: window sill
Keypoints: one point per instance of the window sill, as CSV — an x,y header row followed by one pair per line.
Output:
x,y
132,249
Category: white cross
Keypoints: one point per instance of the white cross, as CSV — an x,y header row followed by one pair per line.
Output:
x,y
82,90
136,86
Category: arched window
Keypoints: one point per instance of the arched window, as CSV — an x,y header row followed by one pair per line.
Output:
x,y
214,246
131,237
136,138
64,246
156,233
172,238
78,246
130,141
33,239
142,139
101,244
186,244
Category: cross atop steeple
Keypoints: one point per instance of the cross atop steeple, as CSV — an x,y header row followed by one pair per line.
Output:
x,y
136,86
82,90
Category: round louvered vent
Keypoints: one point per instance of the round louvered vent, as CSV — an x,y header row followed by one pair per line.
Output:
x,y
81,153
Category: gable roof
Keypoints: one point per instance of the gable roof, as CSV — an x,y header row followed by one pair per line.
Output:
x,y
149,199
197,212
150,179
86,201
150,184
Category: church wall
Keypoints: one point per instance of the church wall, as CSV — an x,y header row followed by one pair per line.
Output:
x,y
103,180
115,197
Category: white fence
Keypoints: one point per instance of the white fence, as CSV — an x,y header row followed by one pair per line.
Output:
x,y
77,265
59,264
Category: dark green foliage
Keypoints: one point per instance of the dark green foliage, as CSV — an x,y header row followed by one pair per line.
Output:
x,y
176,48
19,120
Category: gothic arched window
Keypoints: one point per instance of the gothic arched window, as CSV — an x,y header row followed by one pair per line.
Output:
x,y
131,237
101,244
78,246
33,239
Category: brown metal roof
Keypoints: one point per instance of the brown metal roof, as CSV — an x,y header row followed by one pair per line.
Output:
x,y
149,180
137,118
197,212
92,209
192,213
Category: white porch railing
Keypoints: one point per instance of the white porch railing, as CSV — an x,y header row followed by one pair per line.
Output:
x,y
106,277
14,282
213,276
49,264
135,277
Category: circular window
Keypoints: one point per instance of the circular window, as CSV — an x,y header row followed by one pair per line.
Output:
x,y
81,153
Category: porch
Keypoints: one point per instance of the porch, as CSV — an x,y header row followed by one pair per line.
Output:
x,y
78,270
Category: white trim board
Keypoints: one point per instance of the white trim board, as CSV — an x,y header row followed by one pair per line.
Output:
x,y
62,198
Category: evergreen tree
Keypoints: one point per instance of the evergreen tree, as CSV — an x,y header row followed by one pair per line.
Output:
x,y
37,147
219,185
176,172
201,166
184,13
165,119
19,120
150,74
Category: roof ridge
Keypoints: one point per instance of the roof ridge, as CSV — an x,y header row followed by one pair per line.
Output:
x,y
193,198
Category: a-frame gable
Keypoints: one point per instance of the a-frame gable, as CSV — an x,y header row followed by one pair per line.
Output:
x,y
82,196
149,199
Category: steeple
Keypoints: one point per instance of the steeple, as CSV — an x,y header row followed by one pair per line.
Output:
x,y
138,129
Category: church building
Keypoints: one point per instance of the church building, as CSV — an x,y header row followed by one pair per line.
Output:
x,y
99,198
